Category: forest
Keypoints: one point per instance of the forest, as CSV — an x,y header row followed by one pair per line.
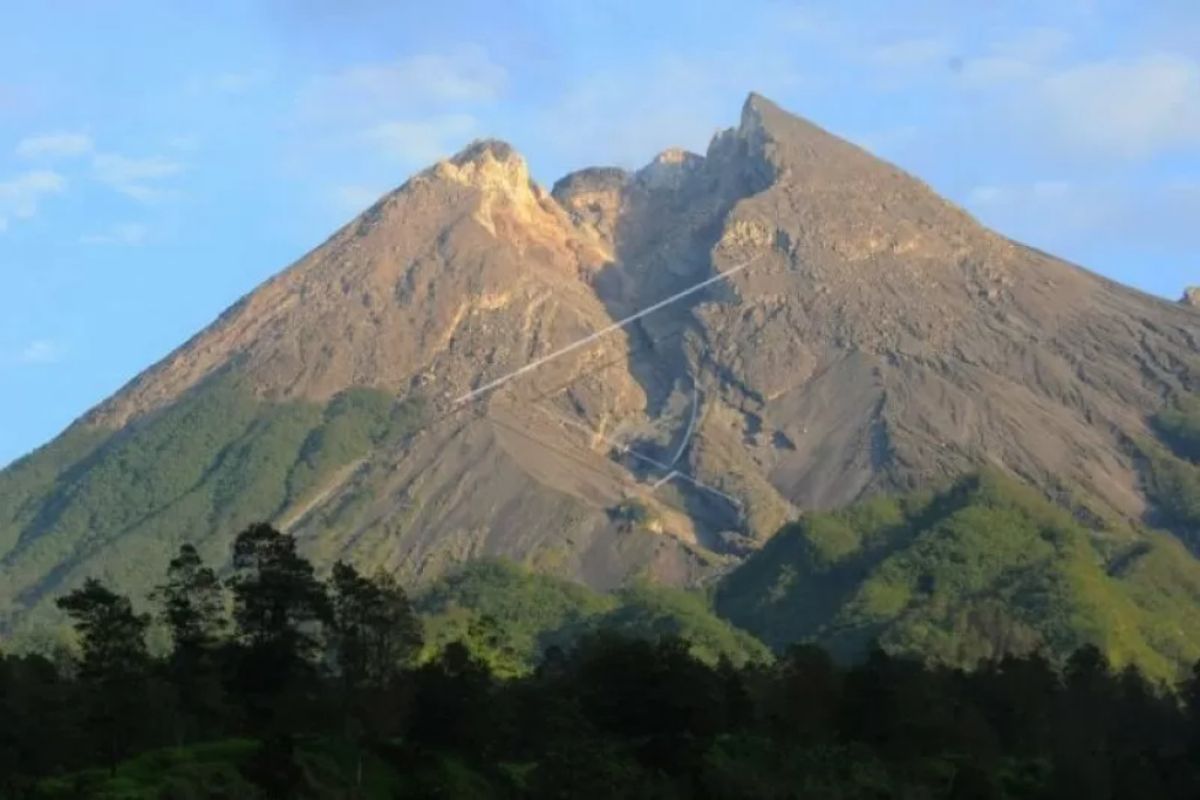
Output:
x,y
278,683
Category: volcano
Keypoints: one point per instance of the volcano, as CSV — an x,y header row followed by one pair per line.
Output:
x,y
858,335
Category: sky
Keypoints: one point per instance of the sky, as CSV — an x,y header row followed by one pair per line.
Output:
x,y
159,160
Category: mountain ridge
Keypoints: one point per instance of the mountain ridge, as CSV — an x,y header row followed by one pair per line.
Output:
x,y
882,340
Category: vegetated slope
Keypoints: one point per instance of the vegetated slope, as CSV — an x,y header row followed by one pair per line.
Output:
x,y
1171,468
508,617
324,403
983,568
873,338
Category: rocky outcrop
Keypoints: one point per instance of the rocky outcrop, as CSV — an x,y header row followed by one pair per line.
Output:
x,y
1191,297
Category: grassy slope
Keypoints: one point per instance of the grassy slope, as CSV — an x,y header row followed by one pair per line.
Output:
x,y
986,566
119,505
1171,469
508,616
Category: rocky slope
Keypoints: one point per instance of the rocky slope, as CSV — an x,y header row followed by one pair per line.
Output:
x,y
873,337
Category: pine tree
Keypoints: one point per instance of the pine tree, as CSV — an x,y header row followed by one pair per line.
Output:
x,y
193,608
279,607
375,635
114,665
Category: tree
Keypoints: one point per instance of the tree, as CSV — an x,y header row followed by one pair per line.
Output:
x,y
279,607
375,634
193,608
278,602
192,603
376,631
114,664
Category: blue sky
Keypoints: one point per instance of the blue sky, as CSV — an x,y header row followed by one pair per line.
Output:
x,y
158,160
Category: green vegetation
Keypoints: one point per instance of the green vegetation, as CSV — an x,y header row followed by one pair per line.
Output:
x,y
215,461
632,515
1179,425
1171,469
507,617
984,568
655,612
316,690
1173,485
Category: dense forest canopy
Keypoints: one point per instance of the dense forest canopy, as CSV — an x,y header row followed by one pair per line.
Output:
x,y
280,684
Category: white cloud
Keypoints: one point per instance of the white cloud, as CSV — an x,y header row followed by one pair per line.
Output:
x,y
914,53
135,177
54,145
129,234
464,76
42,351
1130,108
419,142
21,196
1024,57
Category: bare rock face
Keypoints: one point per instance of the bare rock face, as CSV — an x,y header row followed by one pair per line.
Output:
x,y
883,339
871,336
1191,297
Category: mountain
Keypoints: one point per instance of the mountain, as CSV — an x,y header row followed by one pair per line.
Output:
x,y
869,338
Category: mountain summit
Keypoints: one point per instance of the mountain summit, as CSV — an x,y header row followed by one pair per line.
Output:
x,y
870,337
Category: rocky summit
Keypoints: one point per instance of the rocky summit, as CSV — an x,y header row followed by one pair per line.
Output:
x,y
871,338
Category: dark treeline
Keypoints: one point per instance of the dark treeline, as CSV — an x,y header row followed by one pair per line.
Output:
x,y
289,664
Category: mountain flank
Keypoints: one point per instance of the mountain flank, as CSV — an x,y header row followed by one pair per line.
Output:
x,y
874,340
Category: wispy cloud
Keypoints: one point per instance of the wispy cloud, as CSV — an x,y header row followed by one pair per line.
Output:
x,y
42,351
435,80
917,52
1131,108
1068,216
418,142
1022,57
129,234
21,196
139,178
54,145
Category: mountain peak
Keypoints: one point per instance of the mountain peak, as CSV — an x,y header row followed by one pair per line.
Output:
x,y
795,137
487,149
493,166
498,172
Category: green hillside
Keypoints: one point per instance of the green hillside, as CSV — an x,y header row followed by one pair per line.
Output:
x,y
116,506
985,567
508,616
